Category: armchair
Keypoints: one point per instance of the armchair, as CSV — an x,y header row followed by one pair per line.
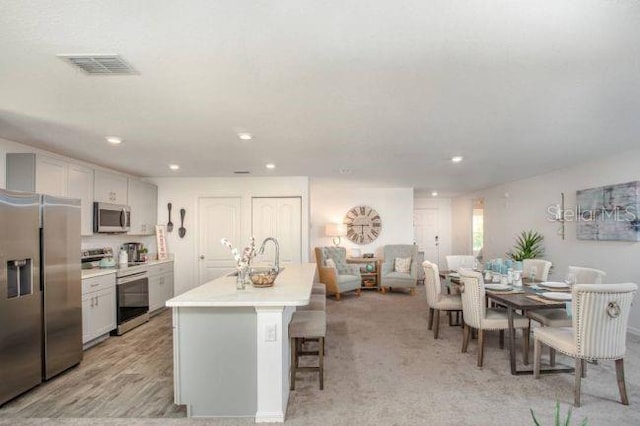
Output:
x,y
334,271
390,277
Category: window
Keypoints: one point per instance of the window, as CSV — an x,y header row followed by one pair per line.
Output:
x,y
478,227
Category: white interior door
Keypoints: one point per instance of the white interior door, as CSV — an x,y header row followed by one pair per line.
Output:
x,y
280,218
427,233
218,218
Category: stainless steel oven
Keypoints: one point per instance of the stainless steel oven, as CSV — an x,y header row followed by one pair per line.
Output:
x,y
111,218
132,288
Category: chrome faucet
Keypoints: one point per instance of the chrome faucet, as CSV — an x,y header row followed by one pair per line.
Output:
x,y
275,243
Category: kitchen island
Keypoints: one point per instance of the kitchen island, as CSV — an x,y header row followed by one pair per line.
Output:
x,y
231,347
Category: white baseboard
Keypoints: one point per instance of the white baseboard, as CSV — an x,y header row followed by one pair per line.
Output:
x,y
262,417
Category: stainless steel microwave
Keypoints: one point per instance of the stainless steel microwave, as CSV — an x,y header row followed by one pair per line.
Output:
x,y
111,218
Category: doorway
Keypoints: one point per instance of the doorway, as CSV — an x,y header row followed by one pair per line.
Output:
x,y
427,233
477,227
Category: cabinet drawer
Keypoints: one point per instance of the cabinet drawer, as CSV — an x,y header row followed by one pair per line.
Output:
x,y
103,282
160,269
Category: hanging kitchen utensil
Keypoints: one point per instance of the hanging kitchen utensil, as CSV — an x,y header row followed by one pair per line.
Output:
x,y
182,230
169,224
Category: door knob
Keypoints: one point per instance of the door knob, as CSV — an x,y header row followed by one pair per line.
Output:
x,y
201,257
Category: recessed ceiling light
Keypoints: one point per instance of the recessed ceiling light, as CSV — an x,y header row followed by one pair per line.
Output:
x,y
174,166
434,194
456,159
345,171
245,136
114,140
270,166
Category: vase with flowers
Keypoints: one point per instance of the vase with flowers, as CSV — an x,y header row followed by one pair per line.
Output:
x,y
243,261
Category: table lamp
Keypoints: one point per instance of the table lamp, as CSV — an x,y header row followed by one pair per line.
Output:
x,y
335,230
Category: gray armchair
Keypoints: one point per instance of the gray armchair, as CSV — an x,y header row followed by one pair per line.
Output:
x,y
390,277
341,278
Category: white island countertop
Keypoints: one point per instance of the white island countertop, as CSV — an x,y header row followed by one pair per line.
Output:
x,y
291,288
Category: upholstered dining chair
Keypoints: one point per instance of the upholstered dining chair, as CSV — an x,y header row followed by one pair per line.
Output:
x,y
400,267
598,331
435,299
455,262
477,316
587,275
559,317
541,267
334,271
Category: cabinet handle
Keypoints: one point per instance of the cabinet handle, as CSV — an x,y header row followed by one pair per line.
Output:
x,y
92,299
201,257
95,285
97,301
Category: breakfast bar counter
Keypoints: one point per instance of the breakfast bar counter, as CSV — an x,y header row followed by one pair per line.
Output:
x,y
231,347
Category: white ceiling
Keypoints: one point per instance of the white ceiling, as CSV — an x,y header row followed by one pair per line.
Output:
x,y
388,89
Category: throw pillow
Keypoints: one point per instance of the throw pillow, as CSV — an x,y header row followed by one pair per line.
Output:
x,y
403,264
329,263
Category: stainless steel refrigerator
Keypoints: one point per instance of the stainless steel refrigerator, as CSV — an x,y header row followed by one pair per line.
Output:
x,y
40,289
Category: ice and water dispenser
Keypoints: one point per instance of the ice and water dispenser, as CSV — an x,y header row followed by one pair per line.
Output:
x,y
19,278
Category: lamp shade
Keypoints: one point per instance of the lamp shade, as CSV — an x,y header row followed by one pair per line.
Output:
x,y
335,229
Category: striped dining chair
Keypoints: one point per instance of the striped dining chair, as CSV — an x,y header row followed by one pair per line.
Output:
x,y
598,331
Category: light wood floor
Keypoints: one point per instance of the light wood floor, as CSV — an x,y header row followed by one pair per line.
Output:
x,y
124,376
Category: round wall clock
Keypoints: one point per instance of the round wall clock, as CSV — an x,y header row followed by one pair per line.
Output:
x,y
363,224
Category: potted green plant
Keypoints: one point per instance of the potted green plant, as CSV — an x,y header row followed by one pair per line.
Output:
x,y
528,246
556,417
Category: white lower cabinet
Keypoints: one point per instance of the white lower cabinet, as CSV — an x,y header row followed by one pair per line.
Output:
x,y
160,285
98,306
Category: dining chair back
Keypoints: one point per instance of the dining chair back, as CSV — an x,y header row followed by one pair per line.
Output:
x,y
587,275
436,300
455,262
541,267
473,298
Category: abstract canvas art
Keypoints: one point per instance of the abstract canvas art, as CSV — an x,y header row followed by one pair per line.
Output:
x,y
609,213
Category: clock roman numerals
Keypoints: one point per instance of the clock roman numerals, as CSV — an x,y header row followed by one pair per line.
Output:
x,y
363,224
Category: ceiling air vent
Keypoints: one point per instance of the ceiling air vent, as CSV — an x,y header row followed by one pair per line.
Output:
x,y
241,172
100,64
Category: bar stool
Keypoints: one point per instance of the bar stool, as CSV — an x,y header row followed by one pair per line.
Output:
x,y
319,288
307,325
317,302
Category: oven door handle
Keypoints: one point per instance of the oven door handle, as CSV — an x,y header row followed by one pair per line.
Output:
x,y
130,278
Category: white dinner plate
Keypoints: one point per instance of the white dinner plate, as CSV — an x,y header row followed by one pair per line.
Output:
x,y
553,295
497,287
553,284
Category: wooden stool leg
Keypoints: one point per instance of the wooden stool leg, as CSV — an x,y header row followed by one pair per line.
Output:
x,y
430,324
552,357
294,362
537,349
576,387
501,340
321,362
621,384
480,347
465,337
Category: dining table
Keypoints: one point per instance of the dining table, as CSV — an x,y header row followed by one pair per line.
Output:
x,y
523,298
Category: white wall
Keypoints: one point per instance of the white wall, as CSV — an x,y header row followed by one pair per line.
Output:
x,y
184,193
522,205
330,202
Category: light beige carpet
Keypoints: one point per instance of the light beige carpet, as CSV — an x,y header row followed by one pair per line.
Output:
x,y
384,368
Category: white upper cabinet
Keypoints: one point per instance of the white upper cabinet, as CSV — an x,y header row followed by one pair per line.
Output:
x,y
143,200
47,175
110,188
51,176
80,185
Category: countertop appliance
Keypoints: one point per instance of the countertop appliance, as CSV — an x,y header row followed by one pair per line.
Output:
x,y
134,251
111,218
40,289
